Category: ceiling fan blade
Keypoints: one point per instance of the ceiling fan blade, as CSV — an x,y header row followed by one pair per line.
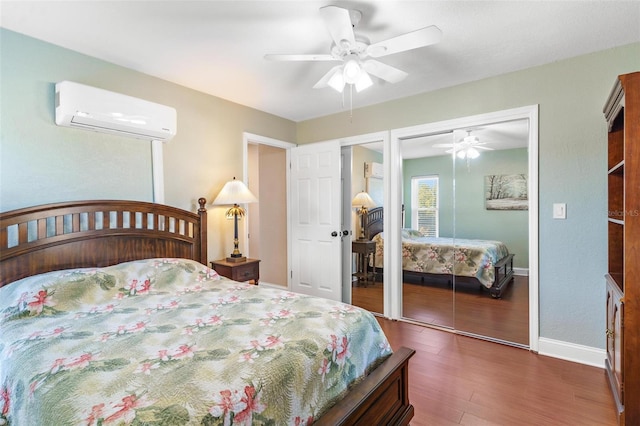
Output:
x,y
483,147
384,71
413,40
324,81
338,23
318,57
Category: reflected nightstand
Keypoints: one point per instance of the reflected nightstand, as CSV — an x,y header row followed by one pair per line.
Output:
x,y
364,250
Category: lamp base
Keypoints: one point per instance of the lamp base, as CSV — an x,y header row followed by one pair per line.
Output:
x,y
236,259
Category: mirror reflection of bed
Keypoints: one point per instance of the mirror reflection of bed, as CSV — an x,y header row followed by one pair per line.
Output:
x,y
479,270
496,305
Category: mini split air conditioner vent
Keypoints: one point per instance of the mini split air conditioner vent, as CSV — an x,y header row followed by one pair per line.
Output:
x,y
373,170
99,110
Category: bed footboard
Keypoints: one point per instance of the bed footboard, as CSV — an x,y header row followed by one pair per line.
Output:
x,y
503,276
382,398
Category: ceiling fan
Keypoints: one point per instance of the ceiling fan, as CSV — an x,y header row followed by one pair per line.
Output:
x,y
356,52
466,147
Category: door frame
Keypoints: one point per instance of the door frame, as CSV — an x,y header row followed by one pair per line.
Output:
x,y
393,168
250,138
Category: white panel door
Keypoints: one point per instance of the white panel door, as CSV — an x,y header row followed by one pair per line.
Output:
x,y
315,220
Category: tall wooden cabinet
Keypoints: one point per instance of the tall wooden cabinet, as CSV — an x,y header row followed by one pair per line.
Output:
x,y
622,112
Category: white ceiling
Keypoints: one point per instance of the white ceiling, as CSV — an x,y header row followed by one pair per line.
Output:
x,y
217,47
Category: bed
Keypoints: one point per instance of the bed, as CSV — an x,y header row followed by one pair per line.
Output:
x,y
108,315
484,262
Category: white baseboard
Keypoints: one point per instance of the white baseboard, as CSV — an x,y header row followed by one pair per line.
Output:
x,y
572,352
521,272
270,285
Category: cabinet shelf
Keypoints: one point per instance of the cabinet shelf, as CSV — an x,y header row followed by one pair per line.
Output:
x,y
617,168
614,280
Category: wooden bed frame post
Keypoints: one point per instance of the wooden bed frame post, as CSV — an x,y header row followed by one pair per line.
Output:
x,y
202,212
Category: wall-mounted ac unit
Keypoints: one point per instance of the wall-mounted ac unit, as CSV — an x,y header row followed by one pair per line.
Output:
x,y
373,170
103,111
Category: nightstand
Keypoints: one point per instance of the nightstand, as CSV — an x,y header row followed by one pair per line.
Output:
x,y
364,249
238,271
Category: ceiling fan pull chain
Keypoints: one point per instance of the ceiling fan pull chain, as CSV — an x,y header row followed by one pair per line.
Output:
x,y
351,103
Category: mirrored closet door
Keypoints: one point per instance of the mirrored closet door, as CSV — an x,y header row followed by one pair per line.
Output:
x,y
366,214
465,230
427,284
491,231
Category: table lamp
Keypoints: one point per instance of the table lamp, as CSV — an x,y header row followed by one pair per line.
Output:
x,y
235,192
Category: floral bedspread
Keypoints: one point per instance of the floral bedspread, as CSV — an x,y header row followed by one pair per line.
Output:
x,y
167,341
461,257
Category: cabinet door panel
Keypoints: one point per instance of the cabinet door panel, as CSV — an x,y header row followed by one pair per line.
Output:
x,y
618,344
615,321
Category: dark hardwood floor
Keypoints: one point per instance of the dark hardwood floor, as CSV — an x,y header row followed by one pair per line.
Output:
x,y
459,380
471,309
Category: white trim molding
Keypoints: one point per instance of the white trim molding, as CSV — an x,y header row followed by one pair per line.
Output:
x,y
572,352
157,170
251,138
273,286
521,272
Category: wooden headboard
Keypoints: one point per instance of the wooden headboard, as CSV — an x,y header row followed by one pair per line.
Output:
x,y
373,223
97,233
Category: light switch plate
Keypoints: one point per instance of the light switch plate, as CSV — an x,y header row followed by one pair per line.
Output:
x,y
559,210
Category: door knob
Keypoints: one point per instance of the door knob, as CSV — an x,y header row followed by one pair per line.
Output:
x,y
345,232
334,234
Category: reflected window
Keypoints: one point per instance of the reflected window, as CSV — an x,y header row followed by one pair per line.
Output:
x,y
424,205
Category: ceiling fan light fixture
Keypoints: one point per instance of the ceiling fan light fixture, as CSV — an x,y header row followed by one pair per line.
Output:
x,y
363,82
472,153
355,51
468,153
352,69
336,81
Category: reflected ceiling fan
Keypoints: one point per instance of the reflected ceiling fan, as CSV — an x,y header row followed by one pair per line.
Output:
x,y
466,147
356,52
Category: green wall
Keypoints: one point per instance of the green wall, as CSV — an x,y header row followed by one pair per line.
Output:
x,y
572,169
466,185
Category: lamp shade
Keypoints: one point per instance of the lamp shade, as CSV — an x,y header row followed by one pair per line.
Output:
x,y
364,81
351,69
469,153
337,80
235,192
363,199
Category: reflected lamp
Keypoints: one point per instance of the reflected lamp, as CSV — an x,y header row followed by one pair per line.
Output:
x,y
362,202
